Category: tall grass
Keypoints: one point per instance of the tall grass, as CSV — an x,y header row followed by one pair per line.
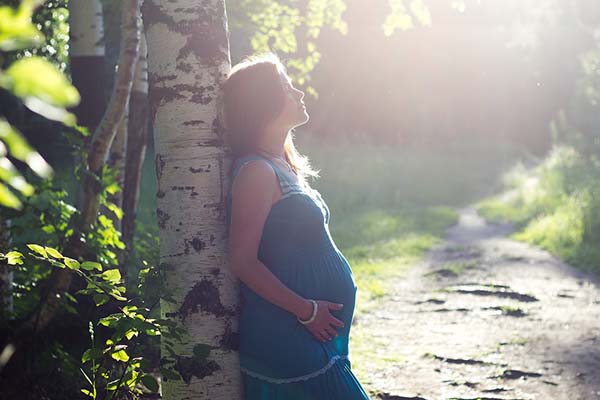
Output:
x,y
555,205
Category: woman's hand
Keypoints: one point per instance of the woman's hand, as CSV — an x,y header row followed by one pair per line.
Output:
x,y
324,326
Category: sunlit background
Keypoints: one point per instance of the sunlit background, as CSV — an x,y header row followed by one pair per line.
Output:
x,y
417,109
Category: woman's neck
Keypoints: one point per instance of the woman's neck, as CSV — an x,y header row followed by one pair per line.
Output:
x,y
272,146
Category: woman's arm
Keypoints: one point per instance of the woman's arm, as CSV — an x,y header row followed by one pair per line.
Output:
x,y
254,189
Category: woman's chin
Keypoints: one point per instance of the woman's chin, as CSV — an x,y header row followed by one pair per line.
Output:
x,y
301,121
305,117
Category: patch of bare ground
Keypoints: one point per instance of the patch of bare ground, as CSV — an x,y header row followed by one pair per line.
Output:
x,y
486,317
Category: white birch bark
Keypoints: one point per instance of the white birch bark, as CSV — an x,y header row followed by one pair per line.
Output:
x,y
188,56
86,51
85,28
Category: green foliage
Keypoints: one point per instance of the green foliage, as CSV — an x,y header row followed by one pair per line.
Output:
x,y
280,26
403,13
555,205
577,125
16,30
42,88
120,362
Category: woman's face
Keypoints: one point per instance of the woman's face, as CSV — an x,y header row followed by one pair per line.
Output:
x,y
293,112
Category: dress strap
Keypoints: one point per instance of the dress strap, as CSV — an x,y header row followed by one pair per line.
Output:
x,y
288,186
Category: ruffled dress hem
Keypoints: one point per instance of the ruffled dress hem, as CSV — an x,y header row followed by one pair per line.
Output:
x,y
298,378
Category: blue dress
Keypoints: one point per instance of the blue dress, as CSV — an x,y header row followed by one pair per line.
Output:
x,y
279,357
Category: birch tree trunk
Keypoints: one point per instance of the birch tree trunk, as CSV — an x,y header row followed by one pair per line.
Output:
x,y
188,57
137,139
86,50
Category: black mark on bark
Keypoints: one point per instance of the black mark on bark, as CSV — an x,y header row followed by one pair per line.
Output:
x,y
159,165
194,122
189,367
204,296
230,340
163,217
198,244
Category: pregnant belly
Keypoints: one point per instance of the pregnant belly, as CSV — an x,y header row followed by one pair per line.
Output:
x,y
322,276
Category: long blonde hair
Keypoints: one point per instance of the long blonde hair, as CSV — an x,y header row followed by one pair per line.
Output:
x,y
252,96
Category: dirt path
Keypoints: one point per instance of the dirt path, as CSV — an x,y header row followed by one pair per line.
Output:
x,y
487,317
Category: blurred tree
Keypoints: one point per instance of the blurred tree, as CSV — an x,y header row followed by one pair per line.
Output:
x,y
137,140
86,50
115,159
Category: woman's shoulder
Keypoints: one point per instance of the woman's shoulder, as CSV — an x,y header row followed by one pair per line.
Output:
x,y
252,178
245,161
242,160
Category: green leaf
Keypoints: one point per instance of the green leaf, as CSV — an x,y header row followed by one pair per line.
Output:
x,y
53,252
14,258
100,299
112,275
131,333
10,175
8,199
91,265
71,297
55,263
22,151
152,332
113,188
150,382
117,295
131,378
42,87
91,354
116,210
202,350
16,30
109,320
36,248
71,263
120,355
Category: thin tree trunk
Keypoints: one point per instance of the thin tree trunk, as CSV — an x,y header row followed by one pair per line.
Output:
x,y
116,160
86,50
60,279
6,273
137,140
188,57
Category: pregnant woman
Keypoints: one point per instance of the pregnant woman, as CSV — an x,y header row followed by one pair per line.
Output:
x,y
297,289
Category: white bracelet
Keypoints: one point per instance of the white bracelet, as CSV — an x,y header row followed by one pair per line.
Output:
x,y
314,313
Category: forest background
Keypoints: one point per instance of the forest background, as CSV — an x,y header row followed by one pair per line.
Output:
x,y
416,108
